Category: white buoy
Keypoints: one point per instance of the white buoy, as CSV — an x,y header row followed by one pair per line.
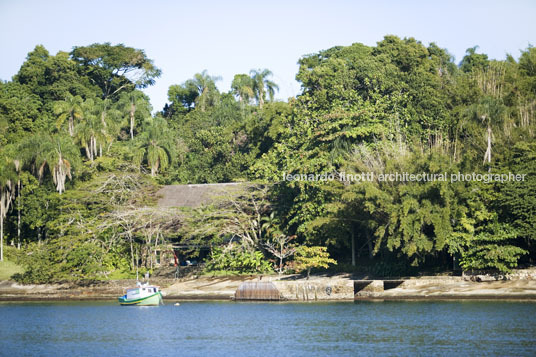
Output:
x,y
177,304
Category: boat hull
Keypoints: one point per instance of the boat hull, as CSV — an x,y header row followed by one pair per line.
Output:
x,y
151,300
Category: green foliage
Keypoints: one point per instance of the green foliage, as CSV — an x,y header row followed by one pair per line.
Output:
x,y
242,86
52,78
71,109
137,107
56,154
155,145
473,61
38,268
200,92
307,258
233,258
492,249
114,68
63,259
517,199
260,84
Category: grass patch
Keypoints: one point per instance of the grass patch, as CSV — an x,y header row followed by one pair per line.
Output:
x,y
8,268
122,274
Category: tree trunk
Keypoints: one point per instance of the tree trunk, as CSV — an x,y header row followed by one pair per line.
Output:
x,y
281,261
5,200
353,245
154,168
71,125
103,118
93,147
455,144
18,214
88,153
132,113
202,98
487,155
132,253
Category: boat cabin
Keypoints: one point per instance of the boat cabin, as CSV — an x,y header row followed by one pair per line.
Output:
x,y
141,291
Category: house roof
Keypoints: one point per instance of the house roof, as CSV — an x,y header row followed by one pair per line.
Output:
x,y
196,195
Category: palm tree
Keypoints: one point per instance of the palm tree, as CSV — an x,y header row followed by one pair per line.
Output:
x,y
490,112
99,126
261,85
208,94
242,86
133,102
18,166
155,144
110,116
70,108
55,152
7,191
89,131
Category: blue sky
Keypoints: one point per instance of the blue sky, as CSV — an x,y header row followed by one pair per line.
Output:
x,y
230,37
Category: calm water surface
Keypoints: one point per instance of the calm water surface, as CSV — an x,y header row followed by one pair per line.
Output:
x,y
271,329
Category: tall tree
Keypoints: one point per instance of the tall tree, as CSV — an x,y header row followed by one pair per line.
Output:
x,y
53,77
489,112
115,68
132,103
473,60
154,144
55,152
208,94
261,85
111,121
71,108
90,131
242,86
7,192
182,96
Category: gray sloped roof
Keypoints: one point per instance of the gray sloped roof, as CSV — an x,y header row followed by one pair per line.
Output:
x,y
196,195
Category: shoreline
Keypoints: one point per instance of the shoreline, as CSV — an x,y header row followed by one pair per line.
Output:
x,y
342,287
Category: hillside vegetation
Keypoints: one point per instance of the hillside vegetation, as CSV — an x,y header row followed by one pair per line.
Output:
x,y
81,159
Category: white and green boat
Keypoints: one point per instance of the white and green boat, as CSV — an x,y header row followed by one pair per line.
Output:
x,y
142,295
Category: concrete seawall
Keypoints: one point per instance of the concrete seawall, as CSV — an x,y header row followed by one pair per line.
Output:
x,y
313,290
444,288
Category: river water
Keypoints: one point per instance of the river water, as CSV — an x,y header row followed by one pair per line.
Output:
x,y
268,329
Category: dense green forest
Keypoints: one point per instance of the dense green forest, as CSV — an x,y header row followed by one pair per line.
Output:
x,y
82,157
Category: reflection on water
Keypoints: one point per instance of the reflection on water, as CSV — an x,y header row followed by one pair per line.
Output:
x,y
225,328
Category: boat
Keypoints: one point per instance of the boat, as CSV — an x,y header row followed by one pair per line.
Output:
x,y
142,295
